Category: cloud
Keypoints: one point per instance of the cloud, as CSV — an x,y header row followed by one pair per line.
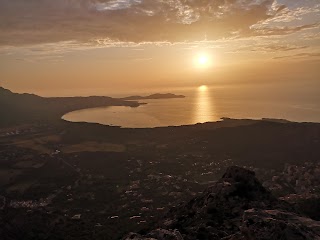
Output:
x,y
261,30
275,47
135,21
299,55
115,4
285,15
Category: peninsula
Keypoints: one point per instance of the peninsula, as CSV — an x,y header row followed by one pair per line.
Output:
x,y
25,108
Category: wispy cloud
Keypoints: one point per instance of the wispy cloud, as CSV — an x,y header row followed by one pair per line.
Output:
x,y
115,4
299,56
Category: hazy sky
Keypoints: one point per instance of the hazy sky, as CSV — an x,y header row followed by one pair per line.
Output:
x,y
105,46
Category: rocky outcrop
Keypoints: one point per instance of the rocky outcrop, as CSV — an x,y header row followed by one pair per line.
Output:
x,y
277,224
236,207
296,180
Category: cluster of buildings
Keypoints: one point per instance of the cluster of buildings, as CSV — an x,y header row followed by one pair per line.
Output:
x,y
16,131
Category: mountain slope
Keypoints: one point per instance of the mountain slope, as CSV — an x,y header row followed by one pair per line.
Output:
x,y
236,207
25,108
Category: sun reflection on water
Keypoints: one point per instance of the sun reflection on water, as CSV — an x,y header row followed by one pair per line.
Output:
x,y
203,106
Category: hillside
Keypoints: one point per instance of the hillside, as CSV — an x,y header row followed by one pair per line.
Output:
x,y
119,181
237,207
25,108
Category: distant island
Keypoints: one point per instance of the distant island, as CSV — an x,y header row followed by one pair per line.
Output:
x,y
154,96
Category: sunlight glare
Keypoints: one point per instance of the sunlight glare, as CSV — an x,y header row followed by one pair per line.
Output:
x,y
203,88
203,60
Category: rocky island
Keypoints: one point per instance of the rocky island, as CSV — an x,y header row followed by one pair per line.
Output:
x,y
154,96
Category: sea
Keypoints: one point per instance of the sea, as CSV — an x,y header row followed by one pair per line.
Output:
x,y
208,104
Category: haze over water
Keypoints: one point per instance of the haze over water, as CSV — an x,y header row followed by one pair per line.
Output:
x,y
205,104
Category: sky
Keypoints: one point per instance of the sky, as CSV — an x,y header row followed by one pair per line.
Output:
x,y
88,47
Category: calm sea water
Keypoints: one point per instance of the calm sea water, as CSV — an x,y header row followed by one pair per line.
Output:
x,y
206,105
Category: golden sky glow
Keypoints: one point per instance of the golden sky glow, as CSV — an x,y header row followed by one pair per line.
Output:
x,y
87,46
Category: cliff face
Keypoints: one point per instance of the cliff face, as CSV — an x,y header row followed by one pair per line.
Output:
x,y
236,207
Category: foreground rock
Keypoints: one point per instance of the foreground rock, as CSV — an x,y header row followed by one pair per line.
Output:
x,y
236,207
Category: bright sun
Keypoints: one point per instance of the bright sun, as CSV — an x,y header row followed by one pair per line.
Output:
x,y
202,60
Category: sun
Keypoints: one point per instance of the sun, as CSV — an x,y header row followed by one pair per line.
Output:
x,y
202,60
